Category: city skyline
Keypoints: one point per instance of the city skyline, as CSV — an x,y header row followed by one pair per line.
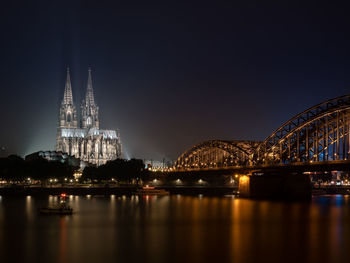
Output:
x,y
170,76
174,131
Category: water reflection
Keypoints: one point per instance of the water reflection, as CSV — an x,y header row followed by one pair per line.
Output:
x,y
63,240
30,210
176,229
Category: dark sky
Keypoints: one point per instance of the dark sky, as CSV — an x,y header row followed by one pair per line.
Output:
x,y
169,74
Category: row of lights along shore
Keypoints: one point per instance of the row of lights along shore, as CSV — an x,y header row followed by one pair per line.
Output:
x,y
113,180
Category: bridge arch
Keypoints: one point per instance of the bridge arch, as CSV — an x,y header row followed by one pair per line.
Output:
x,y
320,133
218,153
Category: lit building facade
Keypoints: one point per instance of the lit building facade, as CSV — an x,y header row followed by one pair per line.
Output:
x,y
85,140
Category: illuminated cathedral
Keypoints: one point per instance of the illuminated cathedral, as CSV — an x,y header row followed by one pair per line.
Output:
x,y
85,140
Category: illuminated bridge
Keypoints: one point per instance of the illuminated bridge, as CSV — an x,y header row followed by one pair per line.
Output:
x,y
319,134
216,153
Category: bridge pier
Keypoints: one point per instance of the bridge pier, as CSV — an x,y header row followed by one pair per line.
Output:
x,y
286,186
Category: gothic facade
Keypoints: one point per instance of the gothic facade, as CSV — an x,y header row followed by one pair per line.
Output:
x,y
85,140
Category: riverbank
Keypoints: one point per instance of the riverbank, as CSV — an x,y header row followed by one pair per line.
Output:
x,y
331,190
120,190
129,190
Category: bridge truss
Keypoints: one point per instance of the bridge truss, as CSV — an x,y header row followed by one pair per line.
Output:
x,y
218,153
321,133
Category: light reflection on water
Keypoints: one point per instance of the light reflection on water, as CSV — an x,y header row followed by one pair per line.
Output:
x,y
175,229
29,208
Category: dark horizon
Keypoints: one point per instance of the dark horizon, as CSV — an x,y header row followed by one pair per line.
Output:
x,y
169,75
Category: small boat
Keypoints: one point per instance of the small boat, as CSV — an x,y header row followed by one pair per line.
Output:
x,y
150,190
61,209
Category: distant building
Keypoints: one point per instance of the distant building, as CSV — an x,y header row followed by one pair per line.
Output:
x,y
157,165
54,156
85,141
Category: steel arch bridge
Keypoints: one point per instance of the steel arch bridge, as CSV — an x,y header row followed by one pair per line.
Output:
x,y
218,153
320,133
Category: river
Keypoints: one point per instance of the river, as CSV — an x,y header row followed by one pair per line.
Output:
x,y
175,228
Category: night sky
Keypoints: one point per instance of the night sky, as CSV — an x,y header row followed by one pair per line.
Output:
x,y
169,74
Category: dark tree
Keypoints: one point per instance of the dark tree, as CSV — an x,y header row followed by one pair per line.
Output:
x,y
119,169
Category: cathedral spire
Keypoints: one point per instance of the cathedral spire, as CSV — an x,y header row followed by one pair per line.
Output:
x,y
89,98
68,112
68,96
89,109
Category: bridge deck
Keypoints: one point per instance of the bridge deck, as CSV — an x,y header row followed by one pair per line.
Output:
x,y
340,165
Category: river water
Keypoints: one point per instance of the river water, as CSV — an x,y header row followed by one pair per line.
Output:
x,y
175,229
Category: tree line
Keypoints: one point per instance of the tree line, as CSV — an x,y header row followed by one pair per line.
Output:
x,y
119,170
15,168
